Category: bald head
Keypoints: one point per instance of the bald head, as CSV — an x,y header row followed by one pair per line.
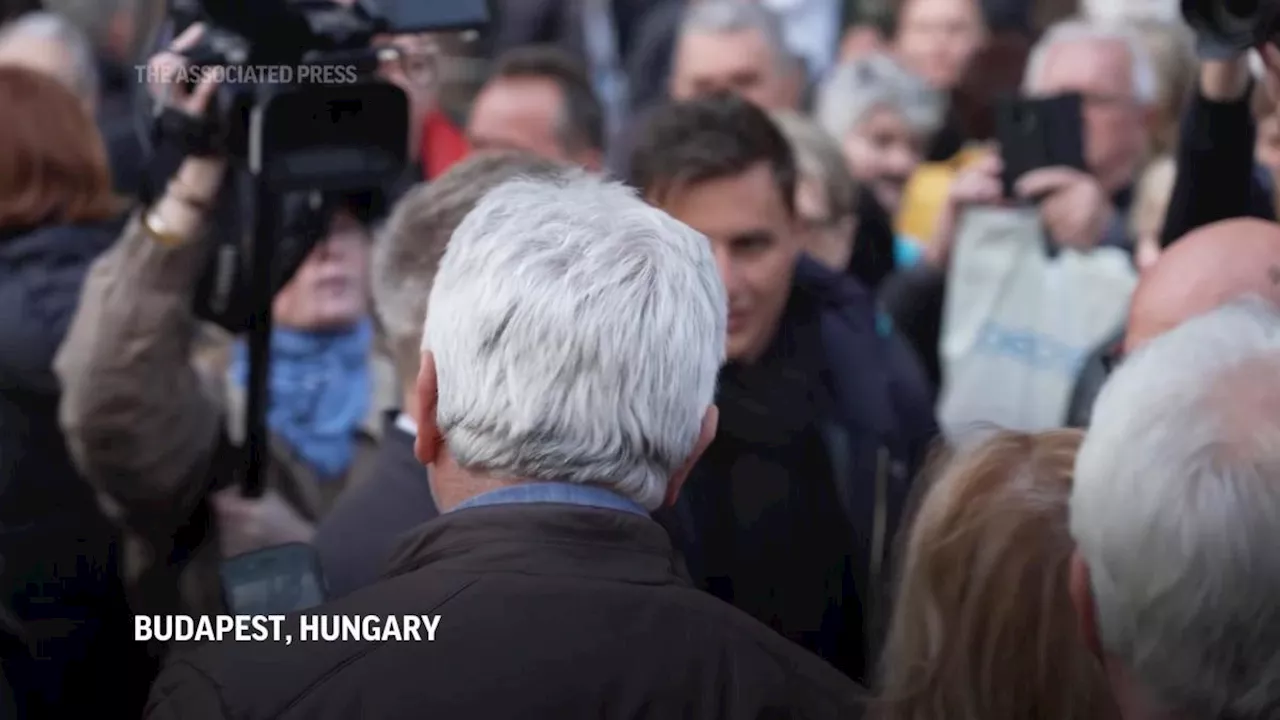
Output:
x,y
1202,271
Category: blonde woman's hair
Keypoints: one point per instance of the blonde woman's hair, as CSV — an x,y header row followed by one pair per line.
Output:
x,y
1171,46
1151,199
984,627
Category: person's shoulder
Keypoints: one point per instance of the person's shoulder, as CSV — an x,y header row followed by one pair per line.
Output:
x,y
764,657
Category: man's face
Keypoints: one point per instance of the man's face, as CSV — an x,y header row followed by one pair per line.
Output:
x,y
882,151
938,39
331,288
518,114
1114,121
755,244
737,62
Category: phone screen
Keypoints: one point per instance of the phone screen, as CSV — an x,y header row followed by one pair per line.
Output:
x,y
273,581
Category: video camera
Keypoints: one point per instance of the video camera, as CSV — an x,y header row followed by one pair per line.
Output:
x,y
308,127
1234,26
299,106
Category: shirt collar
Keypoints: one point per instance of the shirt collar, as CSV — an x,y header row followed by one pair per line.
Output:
x,y
407,424
555,492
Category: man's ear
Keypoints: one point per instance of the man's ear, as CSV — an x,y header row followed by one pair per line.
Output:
x,y
429,442
705,435
1081,590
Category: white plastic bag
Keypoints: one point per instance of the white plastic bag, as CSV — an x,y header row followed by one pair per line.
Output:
x,y
1018,323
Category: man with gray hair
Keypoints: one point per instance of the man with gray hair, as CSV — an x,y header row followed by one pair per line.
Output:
x,y
1113,72
1176,511
117,31
355,540
570,354
735,46
49,43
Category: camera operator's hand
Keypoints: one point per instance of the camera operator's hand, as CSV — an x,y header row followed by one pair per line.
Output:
x,y
1075,209
248,524
165,69
977,184
178,214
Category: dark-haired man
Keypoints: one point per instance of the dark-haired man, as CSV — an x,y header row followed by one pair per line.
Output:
x,y
540,100
824,413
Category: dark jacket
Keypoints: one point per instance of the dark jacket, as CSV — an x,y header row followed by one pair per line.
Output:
x,y
117,121
1093,375
1217,178
366,524
546,611
876,434
58,551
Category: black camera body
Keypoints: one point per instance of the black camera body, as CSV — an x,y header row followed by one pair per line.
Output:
x,y
1230,27
300,110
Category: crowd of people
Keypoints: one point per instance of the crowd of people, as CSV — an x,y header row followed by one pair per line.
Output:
x,y
707,360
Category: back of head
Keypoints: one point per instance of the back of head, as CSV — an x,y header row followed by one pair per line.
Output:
x,y
854,89
1176,511
78,70
577,335
407,254
582,124
712,138
983,625
1202,270
55,159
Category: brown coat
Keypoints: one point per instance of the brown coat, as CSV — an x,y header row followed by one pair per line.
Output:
x,y
143,425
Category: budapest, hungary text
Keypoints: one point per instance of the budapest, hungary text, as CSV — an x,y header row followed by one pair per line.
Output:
x,y
285,628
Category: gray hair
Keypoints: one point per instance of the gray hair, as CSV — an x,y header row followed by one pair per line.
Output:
x,y
1176,511
577,335
57,29
819,157
853,90
408,248
1146,83
93,17
720,17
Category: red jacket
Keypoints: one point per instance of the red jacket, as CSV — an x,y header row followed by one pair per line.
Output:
x,y
443,144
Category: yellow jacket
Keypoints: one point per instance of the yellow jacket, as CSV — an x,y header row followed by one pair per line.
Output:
x,y
925,196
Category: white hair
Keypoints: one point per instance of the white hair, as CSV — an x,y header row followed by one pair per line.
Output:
x,y
854,89
577,335
93,17
1146,83
1176,511
55,28
717,17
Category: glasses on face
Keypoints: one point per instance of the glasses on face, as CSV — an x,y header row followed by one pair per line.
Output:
x,y
417,60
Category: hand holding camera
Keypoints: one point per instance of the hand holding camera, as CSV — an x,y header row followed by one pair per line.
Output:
x,y
180,212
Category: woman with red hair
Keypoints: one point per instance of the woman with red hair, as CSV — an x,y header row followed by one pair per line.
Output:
x,y
70,654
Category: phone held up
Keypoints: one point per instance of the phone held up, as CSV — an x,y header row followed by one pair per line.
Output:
x,y
274,581
1036,133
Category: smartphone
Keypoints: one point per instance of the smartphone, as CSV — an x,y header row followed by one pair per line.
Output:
x,y
1037,133
274,581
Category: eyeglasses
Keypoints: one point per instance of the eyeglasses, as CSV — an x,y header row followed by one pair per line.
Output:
x,y
416,58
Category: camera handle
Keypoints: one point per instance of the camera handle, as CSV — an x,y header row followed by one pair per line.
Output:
x,y
257,447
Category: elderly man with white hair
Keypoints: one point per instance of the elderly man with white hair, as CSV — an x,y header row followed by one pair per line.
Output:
x,y
51,44
573,339
1176,513
1110,68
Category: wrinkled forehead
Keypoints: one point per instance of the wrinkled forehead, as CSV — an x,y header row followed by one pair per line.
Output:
x,y
1101,66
